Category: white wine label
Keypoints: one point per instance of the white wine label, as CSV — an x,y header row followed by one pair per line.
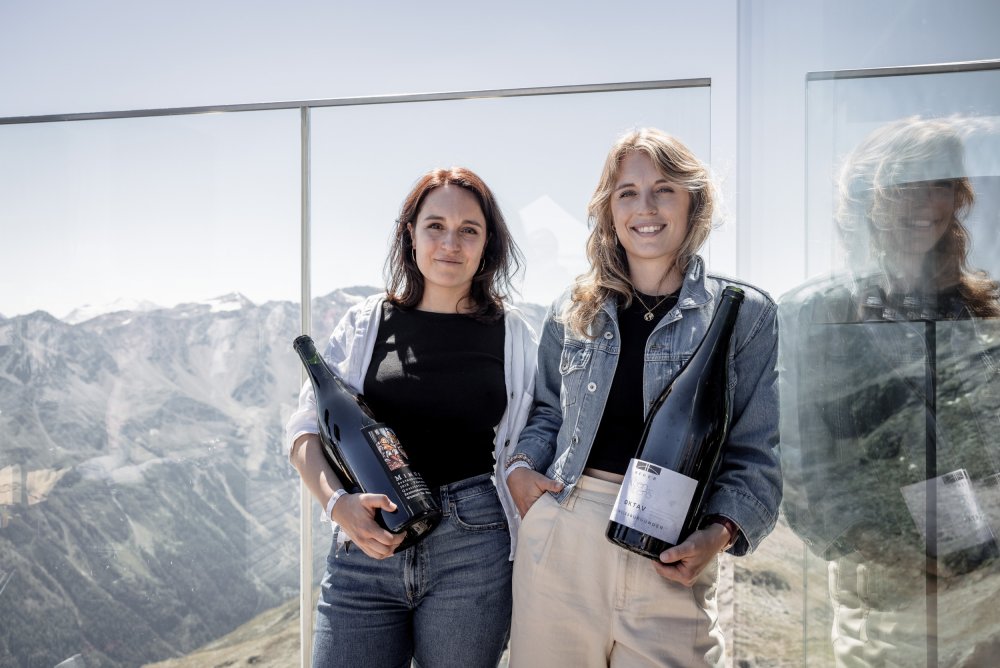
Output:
x,y
956,520
654,500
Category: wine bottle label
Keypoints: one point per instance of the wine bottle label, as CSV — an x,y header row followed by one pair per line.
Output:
x,y
410,485
955,518
654,500
387,445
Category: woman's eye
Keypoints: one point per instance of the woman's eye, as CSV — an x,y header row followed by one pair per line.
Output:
x,y
665,189
470,230
626,193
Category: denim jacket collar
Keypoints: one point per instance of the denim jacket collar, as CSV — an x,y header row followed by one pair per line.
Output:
x,y
695,293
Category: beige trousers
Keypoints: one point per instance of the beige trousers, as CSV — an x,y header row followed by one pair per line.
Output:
x,y
581,602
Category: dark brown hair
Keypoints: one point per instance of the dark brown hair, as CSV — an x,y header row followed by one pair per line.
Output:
x,y
491,285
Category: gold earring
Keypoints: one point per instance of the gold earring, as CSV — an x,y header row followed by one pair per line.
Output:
x,y
413,253
482,265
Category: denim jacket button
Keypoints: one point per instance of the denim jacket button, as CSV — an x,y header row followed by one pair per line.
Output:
x,y
591,386
609,335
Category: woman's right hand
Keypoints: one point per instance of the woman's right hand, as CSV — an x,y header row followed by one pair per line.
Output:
x,y
355,513
527,486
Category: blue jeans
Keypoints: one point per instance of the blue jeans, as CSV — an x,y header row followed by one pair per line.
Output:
x,y
443,602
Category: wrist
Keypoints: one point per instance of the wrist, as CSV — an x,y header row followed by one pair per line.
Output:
x,y
519,464
518,460
328,516
732,531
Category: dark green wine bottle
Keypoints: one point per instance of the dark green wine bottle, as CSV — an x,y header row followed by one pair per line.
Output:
x,y
667,483
366,454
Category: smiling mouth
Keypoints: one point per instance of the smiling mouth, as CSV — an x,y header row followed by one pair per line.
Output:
x,y
920,223
648,229
441,259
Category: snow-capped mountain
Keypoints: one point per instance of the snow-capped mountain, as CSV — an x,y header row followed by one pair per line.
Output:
x,y
174,514
88,311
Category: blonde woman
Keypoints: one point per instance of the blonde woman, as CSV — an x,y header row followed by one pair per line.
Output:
x,y
608,347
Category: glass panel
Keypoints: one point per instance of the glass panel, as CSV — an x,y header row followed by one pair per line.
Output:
x,y
151,296
541,156
890,392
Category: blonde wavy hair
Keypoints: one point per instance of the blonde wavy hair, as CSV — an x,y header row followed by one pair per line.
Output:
x,y
608,276
911,150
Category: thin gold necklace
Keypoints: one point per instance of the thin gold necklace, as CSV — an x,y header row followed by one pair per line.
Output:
x,y
649,311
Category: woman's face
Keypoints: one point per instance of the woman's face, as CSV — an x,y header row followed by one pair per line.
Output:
x,y
919,213
650,212
449,237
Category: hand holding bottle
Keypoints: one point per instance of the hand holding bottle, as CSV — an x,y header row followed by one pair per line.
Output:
x,y
355,513
684,563
527,486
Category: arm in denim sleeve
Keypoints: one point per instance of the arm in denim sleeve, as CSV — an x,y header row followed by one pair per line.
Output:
x,y
536,445
748,486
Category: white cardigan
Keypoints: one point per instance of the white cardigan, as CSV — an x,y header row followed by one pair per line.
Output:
x,y
349,352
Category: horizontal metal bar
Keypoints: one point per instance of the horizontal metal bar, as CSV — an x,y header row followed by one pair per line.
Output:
x,y
378,99
907,70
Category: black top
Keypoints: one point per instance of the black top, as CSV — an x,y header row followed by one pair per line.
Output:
x,y
438,380
624,416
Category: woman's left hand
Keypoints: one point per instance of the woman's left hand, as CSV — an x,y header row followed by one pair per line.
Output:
x,y
684,563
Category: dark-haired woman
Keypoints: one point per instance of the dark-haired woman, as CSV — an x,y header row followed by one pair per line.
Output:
x,y
449,365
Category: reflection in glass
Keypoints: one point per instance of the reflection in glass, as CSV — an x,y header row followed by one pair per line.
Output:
x,y
892,395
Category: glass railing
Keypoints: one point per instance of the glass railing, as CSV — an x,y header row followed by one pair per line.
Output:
x,y
154,267
891,396
145,507
146,502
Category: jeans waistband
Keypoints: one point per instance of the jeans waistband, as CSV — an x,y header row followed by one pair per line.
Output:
x,y
460,489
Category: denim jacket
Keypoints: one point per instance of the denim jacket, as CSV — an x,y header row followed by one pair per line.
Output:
x,y
575,373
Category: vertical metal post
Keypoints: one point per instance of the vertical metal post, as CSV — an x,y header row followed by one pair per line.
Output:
x,y
931,520
305,500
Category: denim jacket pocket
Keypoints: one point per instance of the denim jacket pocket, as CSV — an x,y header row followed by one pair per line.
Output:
x,y
572,364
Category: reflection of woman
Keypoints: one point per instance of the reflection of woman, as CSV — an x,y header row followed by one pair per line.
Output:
x,y
903,193
610,346
449,366
858,374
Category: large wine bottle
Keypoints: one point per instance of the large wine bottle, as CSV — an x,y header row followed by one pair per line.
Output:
x,y
366,454
666,484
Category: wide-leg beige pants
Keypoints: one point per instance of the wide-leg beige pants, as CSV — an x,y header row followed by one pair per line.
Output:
x,y
581,602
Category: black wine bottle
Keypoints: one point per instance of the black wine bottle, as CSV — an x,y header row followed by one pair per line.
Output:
x,y
366,454
666,484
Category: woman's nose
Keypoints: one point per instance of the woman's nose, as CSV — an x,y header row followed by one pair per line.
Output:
x,y
648,203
